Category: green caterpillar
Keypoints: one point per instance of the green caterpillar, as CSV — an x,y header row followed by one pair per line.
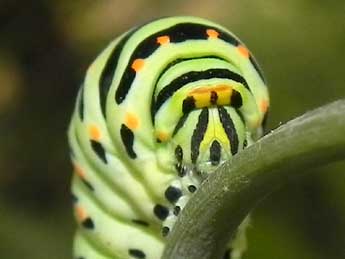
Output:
x,y
160,108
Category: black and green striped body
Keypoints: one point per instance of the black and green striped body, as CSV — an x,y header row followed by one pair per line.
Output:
x,y
160,108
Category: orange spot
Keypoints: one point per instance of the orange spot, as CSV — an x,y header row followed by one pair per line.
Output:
x,y
94,133
131,121
163,40
243,51
213,34
162,136
80,213
80,172
138,64
264,106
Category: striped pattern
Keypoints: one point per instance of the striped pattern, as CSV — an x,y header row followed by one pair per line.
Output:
x,y
160,108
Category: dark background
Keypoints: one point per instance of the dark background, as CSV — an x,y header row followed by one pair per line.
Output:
x,y
45,48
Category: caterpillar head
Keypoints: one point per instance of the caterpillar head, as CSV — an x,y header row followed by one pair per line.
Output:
x,y
206,130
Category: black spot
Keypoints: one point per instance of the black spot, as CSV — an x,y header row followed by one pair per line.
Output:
x,y
172,194
236,99
99,150
198,134
88,223
191,188
188,104
140,222
215,152
137,253
161,212
177,210
87,184
213,98
80,257
165,231
179,153
127,137
245,143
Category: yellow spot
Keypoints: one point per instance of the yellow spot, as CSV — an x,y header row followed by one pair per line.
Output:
x,y
243,51
94,133
162,40
213,34
264,106
131,121
224,97
202,100
80,172
162,136
80,213
138,64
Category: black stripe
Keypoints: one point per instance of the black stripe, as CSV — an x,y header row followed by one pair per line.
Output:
x,y
127,137
109,69
198,134
180,123
87,184
229,128
99,150
81,103
171,64
193,76
257,68
177,33
215,152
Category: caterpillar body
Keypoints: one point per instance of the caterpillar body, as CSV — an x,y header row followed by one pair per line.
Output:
x,y
160,108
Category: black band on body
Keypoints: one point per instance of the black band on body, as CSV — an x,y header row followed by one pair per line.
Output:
x,y
229,128
198,134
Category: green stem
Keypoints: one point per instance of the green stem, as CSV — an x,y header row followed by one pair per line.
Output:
x,y
213,214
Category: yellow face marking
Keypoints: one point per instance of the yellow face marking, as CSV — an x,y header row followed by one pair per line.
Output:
x,y
243,51
138,64
202,95
131,121
162,40
94,133
212,34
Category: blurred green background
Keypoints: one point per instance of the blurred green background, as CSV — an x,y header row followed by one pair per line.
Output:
x,y
45,48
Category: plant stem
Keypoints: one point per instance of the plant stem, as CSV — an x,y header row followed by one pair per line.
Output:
x,y
215,211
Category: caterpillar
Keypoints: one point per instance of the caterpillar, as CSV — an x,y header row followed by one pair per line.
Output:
x,y
159,109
